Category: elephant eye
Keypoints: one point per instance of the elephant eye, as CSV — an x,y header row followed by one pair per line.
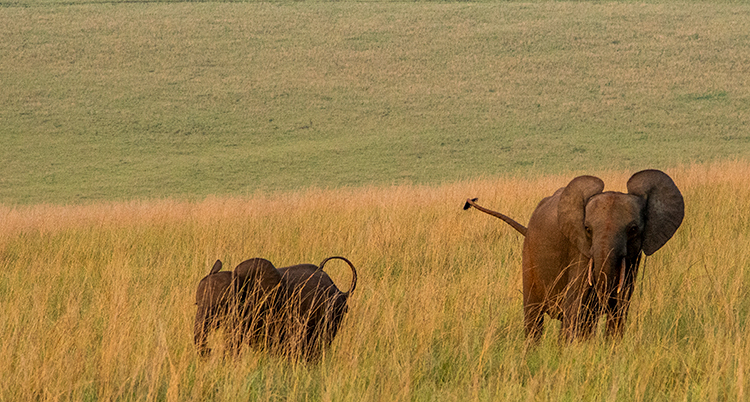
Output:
x,y
633,231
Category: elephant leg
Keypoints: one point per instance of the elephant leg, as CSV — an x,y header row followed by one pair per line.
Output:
x,y
586,325
580,318
233,331
203,321
310,344
533,321
320,335
616,324
232,340
260,330
579,327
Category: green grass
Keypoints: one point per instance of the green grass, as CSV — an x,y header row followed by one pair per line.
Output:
x,y
124,101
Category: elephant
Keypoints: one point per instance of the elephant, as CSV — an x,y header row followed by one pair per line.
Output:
x,y
583,246
214,304
313,308
294,311
257,286
224,301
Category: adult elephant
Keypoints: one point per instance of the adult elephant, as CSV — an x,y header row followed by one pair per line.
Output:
x,y
583,246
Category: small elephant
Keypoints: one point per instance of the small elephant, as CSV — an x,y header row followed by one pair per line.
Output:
x,y
214,300
313,308
583,246
257,286
240,301
295,311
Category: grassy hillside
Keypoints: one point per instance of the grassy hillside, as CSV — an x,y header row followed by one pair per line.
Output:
x,y
131,100
97,300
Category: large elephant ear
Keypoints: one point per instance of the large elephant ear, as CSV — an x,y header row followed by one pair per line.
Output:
x,y
572,207
665,207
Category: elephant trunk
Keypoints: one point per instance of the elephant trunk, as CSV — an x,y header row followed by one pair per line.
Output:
x,y
607,272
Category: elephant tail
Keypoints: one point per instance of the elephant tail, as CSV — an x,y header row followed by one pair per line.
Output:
x,y
471,202
216,268
354,272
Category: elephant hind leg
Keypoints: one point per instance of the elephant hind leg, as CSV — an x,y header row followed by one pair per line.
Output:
x,y
533,321
232,340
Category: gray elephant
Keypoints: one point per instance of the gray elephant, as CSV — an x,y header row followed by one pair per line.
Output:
x,y
583,246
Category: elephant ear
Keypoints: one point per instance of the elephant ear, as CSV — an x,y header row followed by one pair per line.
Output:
x,y
665,207
572,207
216,268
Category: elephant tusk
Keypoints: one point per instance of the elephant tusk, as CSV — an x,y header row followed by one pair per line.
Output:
x,y
591,268
622,276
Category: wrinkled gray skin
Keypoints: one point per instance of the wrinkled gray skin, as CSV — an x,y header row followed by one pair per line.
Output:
x,y
295,311
583,246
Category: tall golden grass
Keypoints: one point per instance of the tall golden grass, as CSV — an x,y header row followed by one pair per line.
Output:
x,y
97,301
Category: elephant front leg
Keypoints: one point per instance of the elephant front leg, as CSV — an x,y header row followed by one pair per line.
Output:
x,y
234,331
577,327
201,329
579,317
232,340
533,321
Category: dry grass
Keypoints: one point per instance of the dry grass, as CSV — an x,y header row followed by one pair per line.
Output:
x,y
97,300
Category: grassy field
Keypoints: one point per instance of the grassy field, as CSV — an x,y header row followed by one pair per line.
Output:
x,y
139,142
125,101
97,300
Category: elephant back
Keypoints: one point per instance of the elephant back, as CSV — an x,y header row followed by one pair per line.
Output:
x,y
256,274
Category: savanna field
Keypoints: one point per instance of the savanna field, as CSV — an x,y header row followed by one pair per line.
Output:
x,y
98,300
143,141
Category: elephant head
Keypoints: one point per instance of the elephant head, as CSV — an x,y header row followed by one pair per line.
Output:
x,y
213,302
611,229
